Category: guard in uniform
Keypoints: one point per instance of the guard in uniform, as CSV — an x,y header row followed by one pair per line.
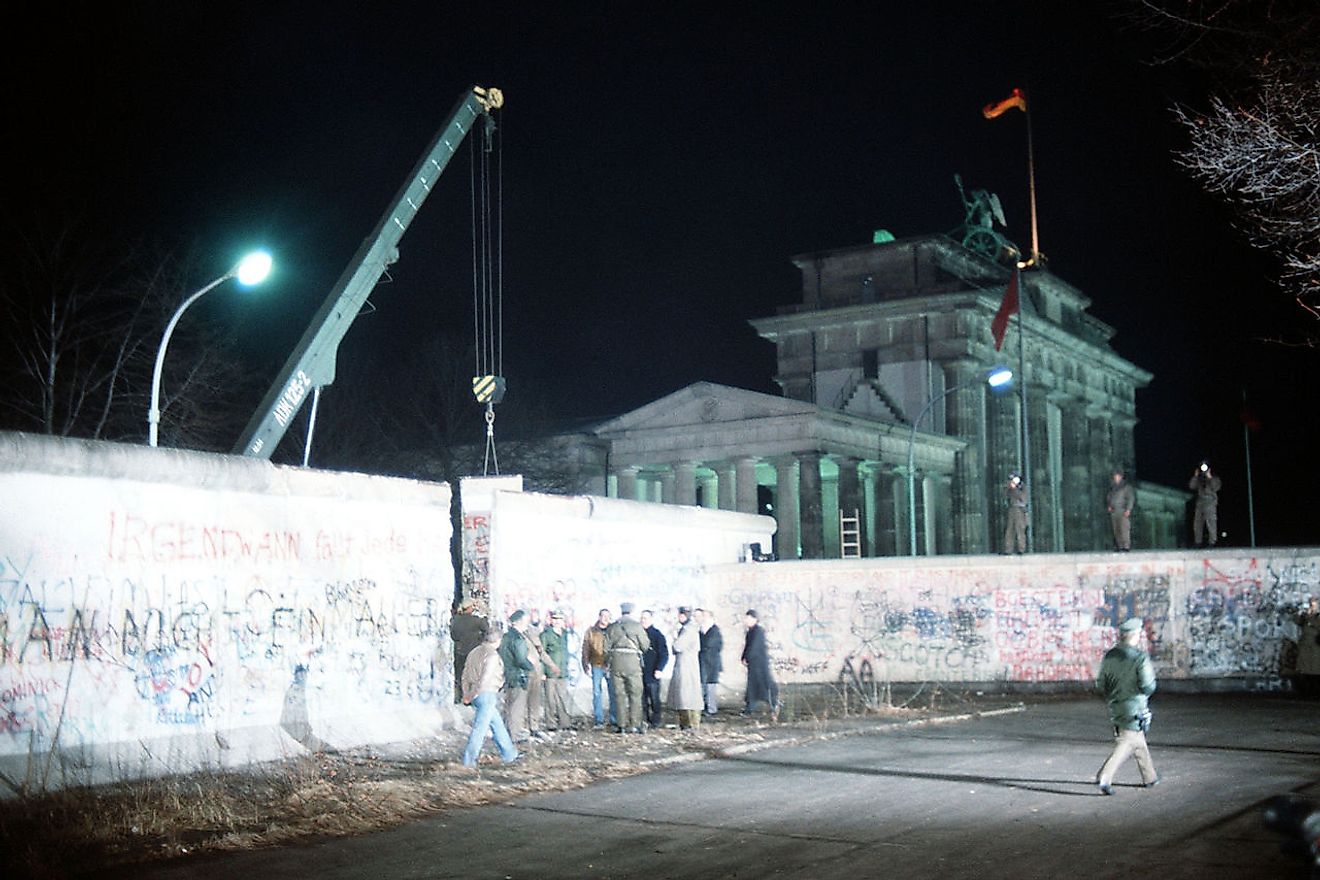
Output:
x,y
625,643
1206,519
1120,500
1015,532
1126,680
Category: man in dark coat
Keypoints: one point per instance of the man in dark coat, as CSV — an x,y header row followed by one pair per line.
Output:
x,y
653,661
761,687
712,660
467,630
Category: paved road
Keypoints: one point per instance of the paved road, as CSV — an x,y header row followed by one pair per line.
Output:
x,y
1007,796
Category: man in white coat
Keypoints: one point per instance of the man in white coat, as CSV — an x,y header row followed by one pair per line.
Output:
x,y
685,691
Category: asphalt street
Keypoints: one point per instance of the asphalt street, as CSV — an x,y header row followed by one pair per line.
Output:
x,y
1005,796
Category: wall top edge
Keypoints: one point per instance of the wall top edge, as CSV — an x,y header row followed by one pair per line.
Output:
x,y
67,456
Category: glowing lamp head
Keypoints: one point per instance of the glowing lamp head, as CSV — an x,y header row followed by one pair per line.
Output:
x,y
253,268
1000,377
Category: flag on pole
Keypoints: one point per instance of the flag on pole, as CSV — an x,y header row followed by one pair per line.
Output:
x,y
1007,308
1016,99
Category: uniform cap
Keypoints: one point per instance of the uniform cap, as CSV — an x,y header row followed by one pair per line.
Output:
x,y
684,609
626,607
517,616
1132,624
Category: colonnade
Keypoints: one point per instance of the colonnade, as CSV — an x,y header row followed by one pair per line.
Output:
x,y
806,492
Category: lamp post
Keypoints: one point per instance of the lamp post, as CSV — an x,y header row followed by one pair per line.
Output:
x,y
251,270
996,378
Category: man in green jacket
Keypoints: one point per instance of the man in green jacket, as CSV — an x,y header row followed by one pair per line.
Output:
x,y
1126,680
517,666
554,653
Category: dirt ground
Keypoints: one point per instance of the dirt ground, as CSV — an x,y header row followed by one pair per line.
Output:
x,y
76,832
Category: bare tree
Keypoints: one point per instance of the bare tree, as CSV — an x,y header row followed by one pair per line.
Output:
x,y
1257,143
1264,158
82,326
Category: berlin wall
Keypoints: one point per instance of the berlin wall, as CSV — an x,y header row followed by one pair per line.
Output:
x,y
584,553
1212,618
163,610
1209,616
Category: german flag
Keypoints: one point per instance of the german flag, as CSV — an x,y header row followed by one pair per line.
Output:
x,y
1016,99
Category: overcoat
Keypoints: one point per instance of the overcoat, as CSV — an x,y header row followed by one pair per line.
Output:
x,y
685,690
712,647
757,655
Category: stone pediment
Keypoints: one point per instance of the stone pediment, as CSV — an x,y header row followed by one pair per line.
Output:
x,y
705,403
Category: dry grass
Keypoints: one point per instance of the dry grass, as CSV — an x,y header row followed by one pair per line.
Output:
x,y
79,831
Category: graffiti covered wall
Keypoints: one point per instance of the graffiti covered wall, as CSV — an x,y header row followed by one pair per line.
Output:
x,y
1046,618
161,610
581,554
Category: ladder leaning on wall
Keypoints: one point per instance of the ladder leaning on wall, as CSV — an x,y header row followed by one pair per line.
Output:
x,y
850,536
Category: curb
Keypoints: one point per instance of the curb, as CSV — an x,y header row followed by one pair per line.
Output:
x,y
746,748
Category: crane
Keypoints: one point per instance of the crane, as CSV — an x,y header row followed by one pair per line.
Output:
x,y
311,365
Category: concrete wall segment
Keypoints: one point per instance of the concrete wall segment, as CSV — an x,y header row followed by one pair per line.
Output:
x,y
1044,618
163,610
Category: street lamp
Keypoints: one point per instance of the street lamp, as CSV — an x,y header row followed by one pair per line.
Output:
x,y
996,378
251,270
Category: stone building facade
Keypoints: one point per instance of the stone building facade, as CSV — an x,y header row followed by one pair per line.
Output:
x,y
886,334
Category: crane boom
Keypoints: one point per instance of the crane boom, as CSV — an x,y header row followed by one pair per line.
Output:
x,y
312,363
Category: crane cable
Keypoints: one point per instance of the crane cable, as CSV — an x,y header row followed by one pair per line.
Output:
x,y
488,276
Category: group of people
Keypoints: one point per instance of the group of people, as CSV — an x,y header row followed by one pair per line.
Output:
x,y
1120,499
624,657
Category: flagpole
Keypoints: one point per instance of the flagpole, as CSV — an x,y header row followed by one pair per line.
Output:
x,y
1246,444
1031,188
1026,430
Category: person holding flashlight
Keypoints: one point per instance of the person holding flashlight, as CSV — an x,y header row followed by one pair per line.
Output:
x,y
1205,521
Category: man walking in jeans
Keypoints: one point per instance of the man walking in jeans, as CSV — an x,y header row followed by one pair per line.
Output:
x,y
1126,680
483,675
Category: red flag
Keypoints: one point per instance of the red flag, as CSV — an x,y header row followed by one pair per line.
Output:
x,y
1007,308
1249,418
999,108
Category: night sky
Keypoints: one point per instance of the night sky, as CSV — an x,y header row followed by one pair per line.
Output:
x,y
659,170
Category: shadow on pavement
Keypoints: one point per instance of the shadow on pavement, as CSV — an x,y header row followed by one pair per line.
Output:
x,y
1039,785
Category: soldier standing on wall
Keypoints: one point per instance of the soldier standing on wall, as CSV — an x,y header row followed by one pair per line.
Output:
x,y
1126,681
1206,518
1015,532
625,643
1120,501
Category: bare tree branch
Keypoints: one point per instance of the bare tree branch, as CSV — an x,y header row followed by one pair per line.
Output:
x,y
1255,145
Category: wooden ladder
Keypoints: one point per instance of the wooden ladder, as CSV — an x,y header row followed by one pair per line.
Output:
x,y
850,536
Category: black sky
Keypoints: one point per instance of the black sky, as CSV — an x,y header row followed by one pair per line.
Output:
x,y
660,166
